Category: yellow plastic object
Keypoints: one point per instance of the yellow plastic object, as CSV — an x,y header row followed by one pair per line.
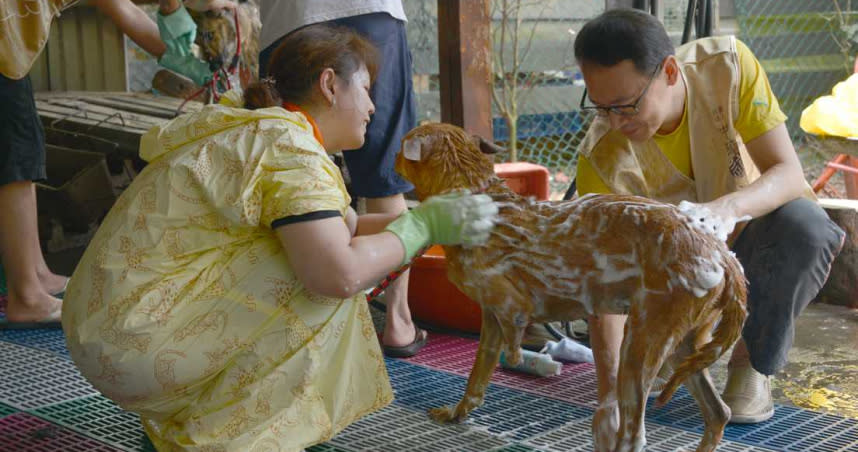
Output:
x,y
835,114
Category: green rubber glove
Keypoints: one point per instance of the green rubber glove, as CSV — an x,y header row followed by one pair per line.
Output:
x,y
178,32
458,218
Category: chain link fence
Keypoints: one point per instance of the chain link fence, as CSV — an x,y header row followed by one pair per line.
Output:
x,y
806,47
550,127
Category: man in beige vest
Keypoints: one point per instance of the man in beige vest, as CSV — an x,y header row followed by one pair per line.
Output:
x,y
34,290
699,123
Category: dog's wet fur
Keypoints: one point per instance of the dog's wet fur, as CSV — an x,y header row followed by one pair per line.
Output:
x,y
683,290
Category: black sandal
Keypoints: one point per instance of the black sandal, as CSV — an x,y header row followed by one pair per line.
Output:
x,y
407,351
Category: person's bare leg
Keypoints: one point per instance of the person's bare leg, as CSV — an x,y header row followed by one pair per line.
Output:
x,y
51,282
398,326
29,299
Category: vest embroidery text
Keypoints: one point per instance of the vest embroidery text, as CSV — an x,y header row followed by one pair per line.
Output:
x,y
737,169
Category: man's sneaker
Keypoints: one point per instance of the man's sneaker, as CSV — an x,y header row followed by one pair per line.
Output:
x,y
748,393
660,381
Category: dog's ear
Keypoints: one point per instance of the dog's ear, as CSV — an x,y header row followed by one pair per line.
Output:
x,y
487,147
411,149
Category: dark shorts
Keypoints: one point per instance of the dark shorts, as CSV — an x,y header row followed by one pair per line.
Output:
x,y
371,167
22,140
787,256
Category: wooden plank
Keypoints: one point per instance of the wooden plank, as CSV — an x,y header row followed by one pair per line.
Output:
x,y
132,107
93,70
167,103
464,58
75,114
124,115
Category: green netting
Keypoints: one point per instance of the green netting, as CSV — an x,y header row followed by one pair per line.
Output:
x,y
806,47
549,126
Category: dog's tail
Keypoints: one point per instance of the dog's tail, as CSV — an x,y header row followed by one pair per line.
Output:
x,y
728,330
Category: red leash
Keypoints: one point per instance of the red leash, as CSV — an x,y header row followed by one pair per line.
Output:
x,y
211,86
392,277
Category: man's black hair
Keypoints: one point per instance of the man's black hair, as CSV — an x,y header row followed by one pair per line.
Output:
x,y
623,34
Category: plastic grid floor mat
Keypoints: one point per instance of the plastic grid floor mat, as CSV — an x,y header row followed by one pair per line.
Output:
x,y
396,429
791,429
324,448
22,432
505,411
40,378
521,413
576,437
101,419
576,383
6,410
49,340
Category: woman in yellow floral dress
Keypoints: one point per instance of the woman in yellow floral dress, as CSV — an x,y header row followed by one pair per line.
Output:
x,y
221,298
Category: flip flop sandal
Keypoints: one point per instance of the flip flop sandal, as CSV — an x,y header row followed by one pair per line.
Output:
x,y
407,351
51,321
62,292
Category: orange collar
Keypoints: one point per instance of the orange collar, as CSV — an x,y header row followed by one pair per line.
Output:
x,y
316,133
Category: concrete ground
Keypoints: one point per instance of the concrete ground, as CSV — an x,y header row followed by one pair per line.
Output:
x,y
822,373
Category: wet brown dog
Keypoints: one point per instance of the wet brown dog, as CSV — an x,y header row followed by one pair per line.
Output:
x,y
683,290
217,38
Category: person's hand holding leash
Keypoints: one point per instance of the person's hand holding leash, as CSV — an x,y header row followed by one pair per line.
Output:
x,y
178,32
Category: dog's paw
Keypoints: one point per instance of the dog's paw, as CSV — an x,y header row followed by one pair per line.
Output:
x,y
444,415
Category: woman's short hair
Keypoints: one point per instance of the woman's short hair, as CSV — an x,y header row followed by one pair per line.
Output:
x,y
301,57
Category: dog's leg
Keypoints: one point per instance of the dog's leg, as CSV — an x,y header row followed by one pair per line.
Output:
x,y
488,355
645,347
715,412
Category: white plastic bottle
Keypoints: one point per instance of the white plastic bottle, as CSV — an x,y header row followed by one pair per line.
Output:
x,y
534,363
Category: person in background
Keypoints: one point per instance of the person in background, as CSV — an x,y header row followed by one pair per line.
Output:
x,y
222,297
371,167
34,291
700,123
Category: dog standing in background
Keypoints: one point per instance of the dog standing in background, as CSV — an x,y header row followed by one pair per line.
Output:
x,y
217,38
682,288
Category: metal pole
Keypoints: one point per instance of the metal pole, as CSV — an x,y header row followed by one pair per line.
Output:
x,y
689,20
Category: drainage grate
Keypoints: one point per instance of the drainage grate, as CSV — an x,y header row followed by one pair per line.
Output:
x,y
101,419
50,340
40,378
24,433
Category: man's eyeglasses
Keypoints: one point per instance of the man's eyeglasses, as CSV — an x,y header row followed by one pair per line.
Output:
x,y
620,110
